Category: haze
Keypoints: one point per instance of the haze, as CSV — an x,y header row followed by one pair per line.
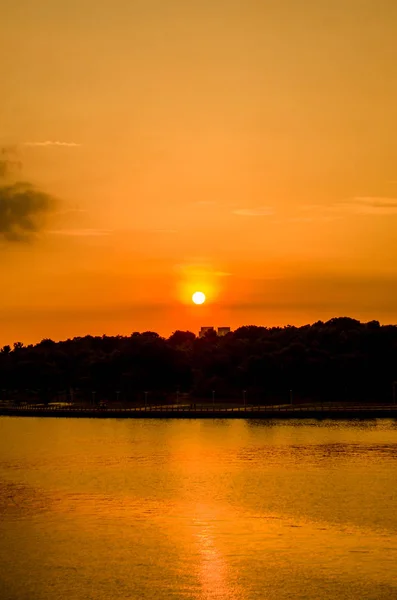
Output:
x,y
247,150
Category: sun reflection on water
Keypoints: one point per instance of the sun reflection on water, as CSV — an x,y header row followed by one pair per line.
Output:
x,y
214,571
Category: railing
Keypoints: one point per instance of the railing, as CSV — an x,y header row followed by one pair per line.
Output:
x,y
199,409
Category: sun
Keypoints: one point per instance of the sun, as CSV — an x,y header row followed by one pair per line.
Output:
x,y
198,298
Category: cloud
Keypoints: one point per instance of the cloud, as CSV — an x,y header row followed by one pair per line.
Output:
x,y
52,143
260,211
81,232
313,219
200,268
22,210
72,211
204,203
7,166
360,205
23,207
373,205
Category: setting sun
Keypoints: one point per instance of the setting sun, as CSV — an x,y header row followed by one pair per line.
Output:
x,y
198,298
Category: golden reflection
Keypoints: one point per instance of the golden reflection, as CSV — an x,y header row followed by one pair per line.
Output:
x,y
214,571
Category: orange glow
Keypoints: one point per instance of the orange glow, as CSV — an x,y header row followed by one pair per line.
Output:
x,y
197,279
256,168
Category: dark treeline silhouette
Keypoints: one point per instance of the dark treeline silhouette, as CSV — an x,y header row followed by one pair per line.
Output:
x,y
340,360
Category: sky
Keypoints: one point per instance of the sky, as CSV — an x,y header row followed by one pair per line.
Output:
x,y
152,148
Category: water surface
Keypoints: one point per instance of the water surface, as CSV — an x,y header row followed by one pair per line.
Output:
x,y
197,509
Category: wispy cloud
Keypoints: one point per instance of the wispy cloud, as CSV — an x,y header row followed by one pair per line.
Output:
x,y
372,205
200,267
260,211
204,203
323,218
52,143
81,232
71,211
360,205
222,274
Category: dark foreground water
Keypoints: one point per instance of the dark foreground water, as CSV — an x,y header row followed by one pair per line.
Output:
x,y
109,510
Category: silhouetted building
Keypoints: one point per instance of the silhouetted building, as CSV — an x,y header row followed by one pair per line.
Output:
x,y
204,330
223,330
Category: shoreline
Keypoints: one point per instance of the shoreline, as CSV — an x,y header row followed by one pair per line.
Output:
x,y
265,413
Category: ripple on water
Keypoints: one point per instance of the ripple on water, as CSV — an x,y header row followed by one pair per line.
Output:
x,y
197,510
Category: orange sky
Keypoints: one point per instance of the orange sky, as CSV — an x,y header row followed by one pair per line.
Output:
x,y
247,149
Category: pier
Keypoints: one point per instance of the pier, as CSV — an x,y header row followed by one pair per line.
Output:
x,y
207,411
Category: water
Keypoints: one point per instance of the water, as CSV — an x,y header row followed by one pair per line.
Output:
x,y
200,510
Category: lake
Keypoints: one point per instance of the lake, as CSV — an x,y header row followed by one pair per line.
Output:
x,y
113,509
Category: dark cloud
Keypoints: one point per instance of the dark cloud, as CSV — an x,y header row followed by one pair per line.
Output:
x,y
22,206
22,211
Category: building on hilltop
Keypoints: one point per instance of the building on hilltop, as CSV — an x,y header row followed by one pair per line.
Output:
x,y
205,330
221,331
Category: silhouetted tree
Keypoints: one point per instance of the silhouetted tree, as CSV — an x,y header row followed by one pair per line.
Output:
x,y
341,359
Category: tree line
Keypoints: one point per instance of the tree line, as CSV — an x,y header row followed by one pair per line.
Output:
x,y
338,360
